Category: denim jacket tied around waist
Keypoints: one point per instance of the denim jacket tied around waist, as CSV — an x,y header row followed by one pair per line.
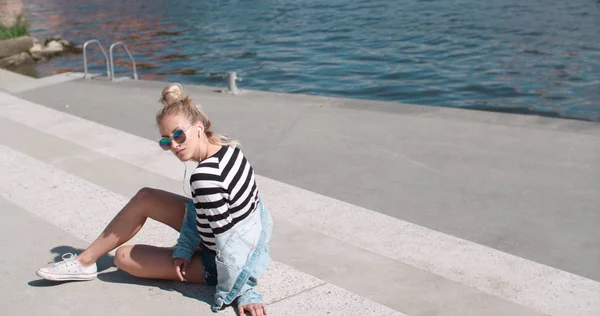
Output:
x,y
242,255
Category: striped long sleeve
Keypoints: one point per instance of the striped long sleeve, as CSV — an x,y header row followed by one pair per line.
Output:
x,y
224,192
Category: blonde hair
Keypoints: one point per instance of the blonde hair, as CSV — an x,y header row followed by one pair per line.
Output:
x,y
175,102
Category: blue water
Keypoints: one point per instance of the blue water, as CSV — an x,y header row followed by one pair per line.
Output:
x,y
534,56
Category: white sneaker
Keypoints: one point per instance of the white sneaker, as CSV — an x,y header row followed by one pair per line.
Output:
x,y
70,269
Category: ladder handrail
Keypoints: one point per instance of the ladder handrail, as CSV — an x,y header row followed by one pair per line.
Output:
x,y
85,69
112,67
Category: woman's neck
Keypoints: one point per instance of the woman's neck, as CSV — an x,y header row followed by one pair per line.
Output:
x,y
211,149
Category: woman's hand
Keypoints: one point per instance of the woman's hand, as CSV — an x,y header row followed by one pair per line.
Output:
x,y
181,266
255,309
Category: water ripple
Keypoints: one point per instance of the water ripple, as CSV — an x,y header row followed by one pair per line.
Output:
x,y
534,57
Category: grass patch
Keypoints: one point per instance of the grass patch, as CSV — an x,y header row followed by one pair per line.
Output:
x,y
20,28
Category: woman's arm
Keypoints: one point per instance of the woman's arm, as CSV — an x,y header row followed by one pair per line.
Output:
x,y
189,237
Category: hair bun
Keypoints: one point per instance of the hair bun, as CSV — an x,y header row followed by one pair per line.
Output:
x,y
172,94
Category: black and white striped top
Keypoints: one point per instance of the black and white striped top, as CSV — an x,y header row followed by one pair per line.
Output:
x,y
224,192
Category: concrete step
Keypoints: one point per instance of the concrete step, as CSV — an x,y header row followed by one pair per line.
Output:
x,y
67,212
333,257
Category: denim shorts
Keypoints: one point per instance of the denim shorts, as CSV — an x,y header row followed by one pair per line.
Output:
x,y
207,258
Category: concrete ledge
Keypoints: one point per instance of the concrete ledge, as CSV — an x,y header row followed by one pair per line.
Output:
x,y
16,83
212,95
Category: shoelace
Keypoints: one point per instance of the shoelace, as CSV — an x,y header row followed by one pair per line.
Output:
x,y
66,258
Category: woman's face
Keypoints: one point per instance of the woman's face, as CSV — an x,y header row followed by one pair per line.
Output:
x,y
179,136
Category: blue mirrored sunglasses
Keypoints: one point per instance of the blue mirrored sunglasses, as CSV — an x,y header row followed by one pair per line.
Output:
x,y
178,136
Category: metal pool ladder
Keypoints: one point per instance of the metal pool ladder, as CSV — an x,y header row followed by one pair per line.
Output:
x,y
110,68
85,67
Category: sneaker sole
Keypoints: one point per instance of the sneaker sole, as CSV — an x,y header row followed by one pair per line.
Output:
x,y
66,277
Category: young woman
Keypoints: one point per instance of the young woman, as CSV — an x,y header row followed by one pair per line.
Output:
x,y
224,229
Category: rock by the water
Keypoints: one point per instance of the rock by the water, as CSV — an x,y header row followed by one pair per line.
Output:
x,y
10,10
26,50
66,44
15,46
36,48
36,51
16,60
77,49
53,47
52,38
41,52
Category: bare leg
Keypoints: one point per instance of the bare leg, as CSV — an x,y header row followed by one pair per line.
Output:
x,y
162,206
151,262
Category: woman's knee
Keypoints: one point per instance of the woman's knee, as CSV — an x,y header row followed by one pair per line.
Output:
x,y
145,194
123,258
145,198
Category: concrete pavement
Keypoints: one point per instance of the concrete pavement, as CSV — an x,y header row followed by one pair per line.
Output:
x,y
331,253
525,185
47,196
